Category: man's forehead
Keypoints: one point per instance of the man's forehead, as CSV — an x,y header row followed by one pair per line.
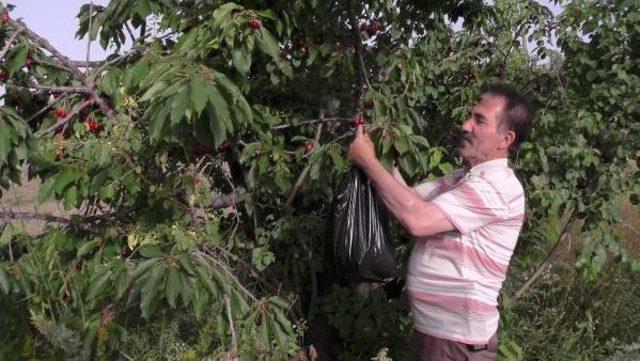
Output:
x,y
490,103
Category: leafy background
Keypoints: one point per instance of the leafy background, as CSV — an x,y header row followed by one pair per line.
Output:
x,y
195,173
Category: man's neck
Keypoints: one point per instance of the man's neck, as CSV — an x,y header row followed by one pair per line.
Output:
x,y
476,161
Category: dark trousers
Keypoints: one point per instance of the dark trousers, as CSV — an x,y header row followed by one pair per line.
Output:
x,y
429,348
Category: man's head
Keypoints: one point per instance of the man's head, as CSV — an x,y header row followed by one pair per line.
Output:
x,y
498,124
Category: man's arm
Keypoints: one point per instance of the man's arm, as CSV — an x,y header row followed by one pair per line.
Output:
x,y
418,217
397,176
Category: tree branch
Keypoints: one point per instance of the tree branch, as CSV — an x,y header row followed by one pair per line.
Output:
x,y
44,43
363,78
42,111
229,199
305,171
52,88
10,215
312,121
7,45
87,64
521,291
71,114
234,342
68,63
89,31
503,64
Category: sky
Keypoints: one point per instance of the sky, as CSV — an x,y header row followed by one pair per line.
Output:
x,y
58,24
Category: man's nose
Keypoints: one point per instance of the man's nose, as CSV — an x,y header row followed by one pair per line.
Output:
x,y
466,125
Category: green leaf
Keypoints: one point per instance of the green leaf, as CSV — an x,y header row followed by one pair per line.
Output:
x,y
142,267
179,105
199,94
173,287
5,284
16,62
5,236
5,141
86,248
148,299
46,190
70,197
151,92
220,118
97,283
150,251
267,43
262,258
241,60
158,122
208,282
64,179
401,145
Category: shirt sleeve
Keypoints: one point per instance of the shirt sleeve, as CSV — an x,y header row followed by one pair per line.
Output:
x,y
471,204
430,189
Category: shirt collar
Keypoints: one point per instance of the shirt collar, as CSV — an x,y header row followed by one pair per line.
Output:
x,y
490,164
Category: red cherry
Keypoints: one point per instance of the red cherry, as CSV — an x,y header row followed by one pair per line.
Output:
x,y
5,17
309,147
91,124
224,146
255,24
376,26
4,75
28,62
303,46
358,120
200,150
60,113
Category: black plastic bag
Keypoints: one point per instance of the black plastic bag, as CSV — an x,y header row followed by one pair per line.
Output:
x,y
362,247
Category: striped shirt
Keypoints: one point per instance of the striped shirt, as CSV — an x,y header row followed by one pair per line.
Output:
x,y
454,277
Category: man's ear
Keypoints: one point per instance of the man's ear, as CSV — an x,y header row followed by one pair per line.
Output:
x,y
508,137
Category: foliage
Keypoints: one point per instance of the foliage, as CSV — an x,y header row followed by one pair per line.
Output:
x,y
199,166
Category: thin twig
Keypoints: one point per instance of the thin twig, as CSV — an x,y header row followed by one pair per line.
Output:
x,y
305,171
52,88
503,64
205,255
540,270
87,64
311,121
363,78
8,215
89,32
7,45
42,111
234,340
67,119
229,199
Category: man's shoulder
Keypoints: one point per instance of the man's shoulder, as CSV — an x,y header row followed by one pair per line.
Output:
x,y
499,184
504,179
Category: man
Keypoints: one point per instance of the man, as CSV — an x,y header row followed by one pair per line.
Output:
x,y
466,227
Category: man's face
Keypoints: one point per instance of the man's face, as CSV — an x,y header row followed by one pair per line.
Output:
x,y
482,138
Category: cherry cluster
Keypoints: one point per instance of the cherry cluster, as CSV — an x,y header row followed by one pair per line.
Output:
x,y
372,28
